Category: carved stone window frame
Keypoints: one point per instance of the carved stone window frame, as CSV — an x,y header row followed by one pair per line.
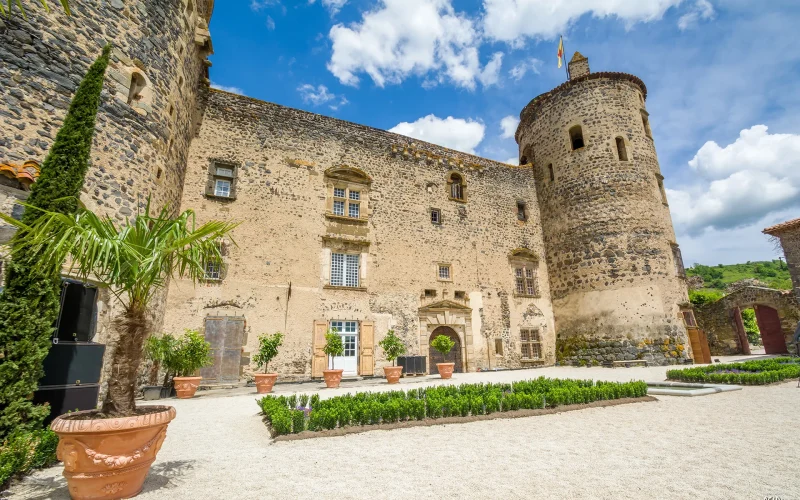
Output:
x,y
527,260
350,180
345,246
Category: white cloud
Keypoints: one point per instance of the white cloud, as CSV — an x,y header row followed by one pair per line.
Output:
x,y
513,161
399,38
509,126
512,20
739,184
522,68
315,95
342,102
232,90
270,23
702,10
491,72
334,6
259,5
454,133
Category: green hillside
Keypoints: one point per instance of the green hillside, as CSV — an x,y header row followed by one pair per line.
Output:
x,y
774,273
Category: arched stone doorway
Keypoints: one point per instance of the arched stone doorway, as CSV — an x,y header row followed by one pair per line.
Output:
x,y
455,355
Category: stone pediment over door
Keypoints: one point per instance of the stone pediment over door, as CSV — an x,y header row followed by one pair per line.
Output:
x,y
444,305
445,312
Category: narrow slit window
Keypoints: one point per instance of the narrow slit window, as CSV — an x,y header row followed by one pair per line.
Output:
x,y
576,137
622,153
498,347
137,85
646,124
552,172
662,190
522,211
436,216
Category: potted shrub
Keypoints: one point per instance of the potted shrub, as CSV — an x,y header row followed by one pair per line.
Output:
x,y
392,347
158,349
333,347
107,453
267,350
191,352
444,345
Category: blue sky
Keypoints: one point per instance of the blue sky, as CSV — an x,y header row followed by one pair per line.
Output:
x,y
722,77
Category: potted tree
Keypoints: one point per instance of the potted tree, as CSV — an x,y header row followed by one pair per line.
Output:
x,y
158,349
333,347
392,347
191,353
267,350
107,453
444,345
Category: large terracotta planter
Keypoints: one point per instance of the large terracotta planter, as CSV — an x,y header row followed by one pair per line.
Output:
x,y
445,369
185,387
393,374
265,382
109,458
332,378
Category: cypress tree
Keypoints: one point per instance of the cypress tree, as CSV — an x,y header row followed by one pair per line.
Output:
x,y
29,303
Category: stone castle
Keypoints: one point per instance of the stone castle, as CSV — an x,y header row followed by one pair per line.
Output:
x,y
570,257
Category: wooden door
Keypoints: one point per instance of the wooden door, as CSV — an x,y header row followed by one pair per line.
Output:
x,y
367,348
741,334
453,357
769,322
320,361
227,337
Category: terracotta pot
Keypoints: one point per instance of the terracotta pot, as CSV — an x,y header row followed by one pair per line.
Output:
x,y
109,458
332,378
185,387
445,369
393,374
265,382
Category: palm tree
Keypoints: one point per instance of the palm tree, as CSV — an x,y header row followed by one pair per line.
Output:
x,y
6,10
134,261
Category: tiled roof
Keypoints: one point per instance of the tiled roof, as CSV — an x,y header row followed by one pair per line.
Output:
x,y
784,226
27,173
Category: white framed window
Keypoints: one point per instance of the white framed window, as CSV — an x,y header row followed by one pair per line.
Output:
x,y
436,216
346,202
349,333
531,343
222,188
213,270
525,280
444,272
224,172
345,270
338,208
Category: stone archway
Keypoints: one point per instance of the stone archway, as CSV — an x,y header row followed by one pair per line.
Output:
x,y
454,356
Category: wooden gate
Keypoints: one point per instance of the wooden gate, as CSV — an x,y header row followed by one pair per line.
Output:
x,y
226,336
454,356
697,338
769,322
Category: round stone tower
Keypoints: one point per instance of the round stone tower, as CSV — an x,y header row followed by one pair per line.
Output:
x,y
616,276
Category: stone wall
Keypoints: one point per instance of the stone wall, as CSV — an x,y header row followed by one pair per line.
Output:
x,y
139,148
790,242
717,319
611,250
284,159
582,351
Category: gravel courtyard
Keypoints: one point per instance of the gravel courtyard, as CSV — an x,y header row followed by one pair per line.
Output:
x,y
742,444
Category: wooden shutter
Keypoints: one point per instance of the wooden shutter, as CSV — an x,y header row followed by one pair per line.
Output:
x,y
319,361
367,348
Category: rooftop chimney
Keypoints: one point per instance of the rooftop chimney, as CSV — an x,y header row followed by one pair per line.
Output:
x,y
578,66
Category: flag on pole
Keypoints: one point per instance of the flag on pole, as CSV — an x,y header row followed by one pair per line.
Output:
x,y
560,52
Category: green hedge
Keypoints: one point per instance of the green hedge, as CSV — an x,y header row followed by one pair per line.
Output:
x,y
365,408
24,451
757,372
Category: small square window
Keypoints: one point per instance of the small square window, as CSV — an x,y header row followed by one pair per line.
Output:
x,y
459,295
522,212
355,195
212,270
444,271
498,347
338,208
222,188
338,192
354,210
436,216
429,293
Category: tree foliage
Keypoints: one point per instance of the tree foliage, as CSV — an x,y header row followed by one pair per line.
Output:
x,y
702,297
135,261
443,344
29,303
392,346
774,273
267,349
7,10
333,346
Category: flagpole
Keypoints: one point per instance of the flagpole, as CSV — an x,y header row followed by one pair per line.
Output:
x,y
564,55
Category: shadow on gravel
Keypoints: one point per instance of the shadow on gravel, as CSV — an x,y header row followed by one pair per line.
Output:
x,y
162,475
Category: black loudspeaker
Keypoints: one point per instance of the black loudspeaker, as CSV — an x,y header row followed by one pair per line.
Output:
x,y
73,363
66,398
76,320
